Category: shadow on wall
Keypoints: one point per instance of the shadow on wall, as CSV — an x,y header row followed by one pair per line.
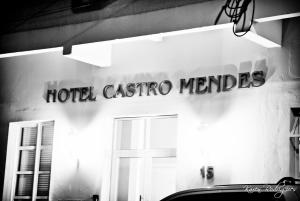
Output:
x,y
94,92
215,104
75,184
77,100
4,123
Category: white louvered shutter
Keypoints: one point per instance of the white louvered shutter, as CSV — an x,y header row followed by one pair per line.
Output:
x,y
34,163
26,163
45,159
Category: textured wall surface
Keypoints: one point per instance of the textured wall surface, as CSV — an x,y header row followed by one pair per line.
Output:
x,y
243,133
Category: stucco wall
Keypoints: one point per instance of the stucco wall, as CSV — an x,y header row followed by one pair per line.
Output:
x,y
243,133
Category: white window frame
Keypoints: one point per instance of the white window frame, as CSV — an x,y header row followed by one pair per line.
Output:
x,y
145,155
12,156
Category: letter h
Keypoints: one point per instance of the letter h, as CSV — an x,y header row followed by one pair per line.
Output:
x,y
52,92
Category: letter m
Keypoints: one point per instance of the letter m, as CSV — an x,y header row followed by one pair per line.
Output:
x,y
189,84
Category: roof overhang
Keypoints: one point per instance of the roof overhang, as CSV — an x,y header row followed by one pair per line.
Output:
x,y
188,17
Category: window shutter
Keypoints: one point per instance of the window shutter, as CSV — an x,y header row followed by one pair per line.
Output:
x,y
24,179
29,135
43,185
47,133
24,185
34,162
45,159
26,160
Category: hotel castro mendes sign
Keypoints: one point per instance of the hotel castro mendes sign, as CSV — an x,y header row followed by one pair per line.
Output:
x,y
195,85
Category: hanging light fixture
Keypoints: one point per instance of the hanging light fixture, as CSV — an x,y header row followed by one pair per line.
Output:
x,y
236,10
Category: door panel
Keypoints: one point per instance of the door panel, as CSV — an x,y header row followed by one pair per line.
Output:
x,y
163,177
130,134
130,181
163,133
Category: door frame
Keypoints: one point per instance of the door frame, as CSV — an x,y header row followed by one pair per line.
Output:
x,y
146,154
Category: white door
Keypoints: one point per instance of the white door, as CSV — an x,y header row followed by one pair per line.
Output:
x,y
144,158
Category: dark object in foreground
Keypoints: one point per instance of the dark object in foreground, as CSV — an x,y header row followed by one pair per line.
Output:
x,y
286,189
